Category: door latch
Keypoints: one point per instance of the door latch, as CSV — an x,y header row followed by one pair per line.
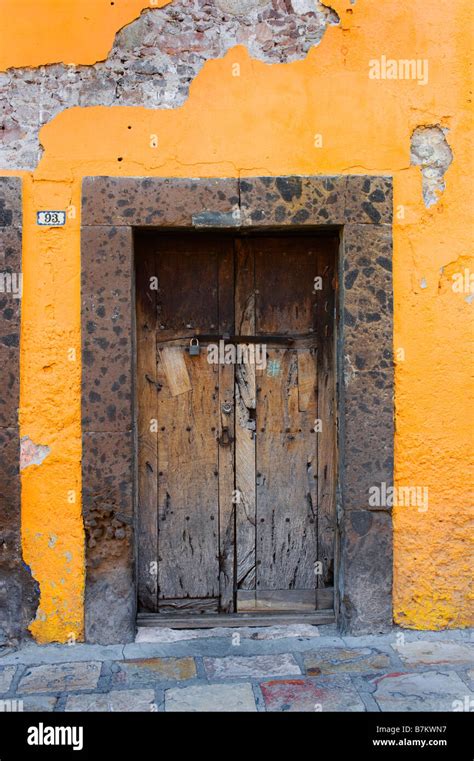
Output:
x,y
225,439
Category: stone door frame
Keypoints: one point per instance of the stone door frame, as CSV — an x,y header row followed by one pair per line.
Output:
x,y
361,208
19,591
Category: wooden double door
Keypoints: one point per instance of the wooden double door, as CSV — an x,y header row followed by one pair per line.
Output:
x,y
236,423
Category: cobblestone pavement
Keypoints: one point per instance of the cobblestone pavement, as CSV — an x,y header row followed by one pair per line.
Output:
x,y
279,668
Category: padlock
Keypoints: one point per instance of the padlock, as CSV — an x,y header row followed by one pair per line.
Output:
x,y
194,348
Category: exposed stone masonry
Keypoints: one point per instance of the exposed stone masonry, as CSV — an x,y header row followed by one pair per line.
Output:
x,y
152,63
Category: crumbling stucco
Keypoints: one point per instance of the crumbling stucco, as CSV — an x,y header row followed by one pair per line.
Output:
x,y
31,453
430,151
153,62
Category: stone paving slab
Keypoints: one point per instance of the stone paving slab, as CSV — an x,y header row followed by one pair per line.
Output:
x,y
29,704
60,677
42,654
151,670
277,668
252,666
333,660
251,637
6,677
127,701
424,691
428,653
224,646
219,698
398,635
316,695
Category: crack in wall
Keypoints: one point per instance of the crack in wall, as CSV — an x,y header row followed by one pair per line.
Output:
x,y
153,62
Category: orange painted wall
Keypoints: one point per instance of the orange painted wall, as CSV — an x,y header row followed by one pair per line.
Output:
x,y
37,32
264,122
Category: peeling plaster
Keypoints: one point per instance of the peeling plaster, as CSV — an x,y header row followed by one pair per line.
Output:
x,y
430,150
31,453
152,63
457,276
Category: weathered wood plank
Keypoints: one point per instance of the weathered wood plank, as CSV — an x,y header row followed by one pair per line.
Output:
x,y
284,273
245,411
325,598
188,492
286,510
279,599
267,618
226,454
174,366
188,284
307,380
190,605
327,453
188,497
286,406
147,436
